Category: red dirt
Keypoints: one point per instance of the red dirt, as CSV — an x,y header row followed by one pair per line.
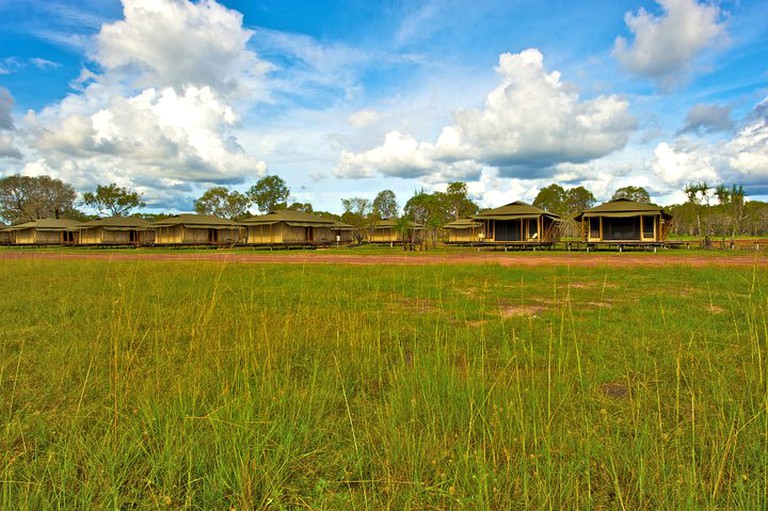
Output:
x,y
582,259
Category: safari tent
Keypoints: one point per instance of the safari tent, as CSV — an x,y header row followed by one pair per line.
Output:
x,y
5,234
344,233
625,221
49,231
386,231
116,231
287,226
464,230
196,230
520,223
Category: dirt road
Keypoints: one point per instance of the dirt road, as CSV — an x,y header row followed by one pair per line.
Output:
x,y
523,259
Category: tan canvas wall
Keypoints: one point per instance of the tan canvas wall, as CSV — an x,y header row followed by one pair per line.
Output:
x,y
33,236
344,236
385,235
24,236
169,235
99,235
292,234
283,233
265,234
462,235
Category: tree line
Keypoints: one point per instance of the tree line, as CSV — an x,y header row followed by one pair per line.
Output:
x,y
720,211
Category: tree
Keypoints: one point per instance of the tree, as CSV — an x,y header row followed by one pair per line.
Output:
x,y
431,210
113,200
577,200
698,194
24,198
219,201
385,205
551,199
269,193
304,207
460,204
634,193
357,214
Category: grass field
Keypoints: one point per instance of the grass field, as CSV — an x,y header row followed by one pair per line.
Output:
x,y
205,385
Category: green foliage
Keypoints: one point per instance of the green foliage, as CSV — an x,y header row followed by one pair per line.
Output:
x,y
566,203
304,207
113,200
221,202
24,198
357,213
461,205
633,193
385,205
180,385
269,193
552,199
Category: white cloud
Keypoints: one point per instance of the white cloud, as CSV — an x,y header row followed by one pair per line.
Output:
x,y
534,119
748,151
178,43
531,121
682,164
363,118
742,159
665,46
400,155
163,104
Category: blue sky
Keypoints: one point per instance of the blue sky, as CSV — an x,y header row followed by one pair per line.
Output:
x,y
348,98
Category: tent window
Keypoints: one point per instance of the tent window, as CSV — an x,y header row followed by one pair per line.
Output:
x,y
648,224
509,231
533,228
594,227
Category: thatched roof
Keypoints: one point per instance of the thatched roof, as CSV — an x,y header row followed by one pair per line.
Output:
x,y
47,224
515,210
341,226
117,223
391,223
196,222
463,223
623,208
291,217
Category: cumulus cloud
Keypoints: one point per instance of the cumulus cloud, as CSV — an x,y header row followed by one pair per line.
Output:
x,y
665,46
703,118
748,151
742,160
178,44
678,164
531,121
534,119
161,103
6,110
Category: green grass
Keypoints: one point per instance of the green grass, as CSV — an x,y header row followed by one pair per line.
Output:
x,y
201,385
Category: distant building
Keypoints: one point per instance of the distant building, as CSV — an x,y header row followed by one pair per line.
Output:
x,y
464,230
286,226
49,231
5,234
196,230
624,220
116,231
520,223
387,231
